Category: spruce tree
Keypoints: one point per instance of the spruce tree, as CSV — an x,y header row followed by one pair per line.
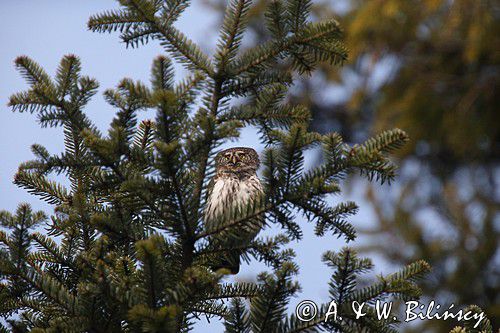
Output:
x,y
126,249
448,168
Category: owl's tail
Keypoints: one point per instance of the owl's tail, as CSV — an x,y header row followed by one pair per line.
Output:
x,y
230,262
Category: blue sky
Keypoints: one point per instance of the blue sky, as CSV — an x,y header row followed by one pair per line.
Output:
x,y
45,30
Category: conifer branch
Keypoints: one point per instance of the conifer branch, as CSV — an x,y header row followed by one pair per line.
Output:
x,y
232,30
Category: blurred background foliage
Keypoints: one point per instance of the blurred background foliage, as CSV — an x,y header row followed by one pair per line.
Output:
x,y
431,68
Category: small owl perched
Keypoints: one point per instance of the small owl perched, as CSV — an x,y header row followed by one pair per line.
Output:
x,y
235,185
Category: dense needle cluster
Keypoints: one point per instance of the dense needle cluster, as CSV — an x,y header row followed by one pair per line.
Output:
x,y
126,248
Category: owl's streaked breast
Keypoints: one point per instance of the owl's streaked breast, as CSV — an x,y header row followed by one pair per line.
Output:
x,y
229,192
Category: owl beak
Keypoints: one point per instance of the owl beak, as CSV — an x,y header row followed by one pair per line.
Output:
x,y
234,160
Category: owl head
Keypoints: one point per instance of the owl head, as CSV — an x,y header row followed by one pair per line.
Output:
x,y
237,160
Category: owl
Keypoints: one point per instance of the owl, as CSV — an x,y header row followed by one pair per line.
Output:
x,y
234,185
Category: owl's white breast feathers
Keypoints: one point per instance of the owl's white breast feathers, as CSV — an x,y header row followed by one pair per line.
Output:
x,y
229,192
